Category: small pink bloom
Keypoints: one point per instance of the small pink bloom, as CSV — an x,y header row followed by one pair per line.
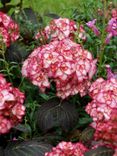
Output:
x,y
111,29
110,74
114,13
91,24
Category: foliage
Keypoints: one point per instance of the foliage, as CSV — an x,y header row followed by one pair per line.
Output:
x,y
32,31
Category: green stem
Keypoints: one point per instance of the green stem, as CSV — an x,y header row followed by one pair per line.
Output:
x,y
6,65
102,47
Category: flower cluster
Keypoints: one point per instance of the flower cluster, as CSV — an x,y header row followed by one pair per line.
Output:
x,y
68,149
9,30
61,28
66,63
103,109
112,26
11,108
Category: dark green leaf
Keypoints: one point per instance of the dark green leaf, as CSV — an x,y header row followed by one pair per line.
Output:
x,y
23,128
52,15
28,22
54,113
87,134
85,120
100,151
16,52
27,148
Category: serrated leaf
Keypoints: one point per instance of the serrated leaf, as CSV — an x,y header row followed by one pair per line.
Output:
x,y
54,113
52,15
87,134
100,151
27,148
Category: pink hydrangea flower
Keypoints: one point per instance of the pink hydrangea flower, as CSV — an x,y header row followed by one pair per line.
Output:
x,y
9,30
103,109
82,33
11,106
115,154
66,63
68,149
91,24
59,29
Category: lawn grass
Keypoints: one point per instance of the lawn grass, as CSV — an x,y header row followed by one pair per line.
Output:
x,y
63,8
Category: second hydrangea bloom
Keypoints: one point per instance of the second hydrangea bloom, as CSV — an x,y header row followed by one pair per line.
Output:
x,y
66,63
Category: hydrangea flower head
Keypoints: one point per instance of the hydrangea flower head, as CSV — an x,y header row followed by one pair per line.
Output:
x,y
9,30
59,29
68,149
64,62
11,106
103,109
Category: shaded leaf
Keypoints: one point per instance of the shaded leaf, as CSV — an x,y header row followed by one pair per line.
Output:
x,y
7,8
28,22
5,1
1,151
23,128
100,151
16,52
54,113
85,121
52,15
27,148
87,134
74,135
